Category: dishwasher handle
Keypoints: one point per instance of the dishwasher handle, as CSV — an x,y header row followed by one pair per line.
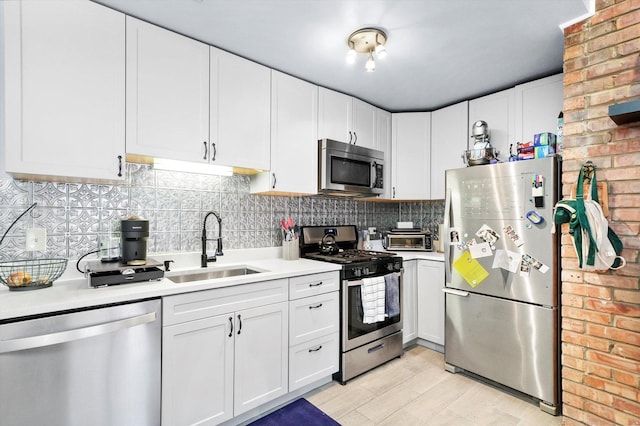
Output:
x,y
74,334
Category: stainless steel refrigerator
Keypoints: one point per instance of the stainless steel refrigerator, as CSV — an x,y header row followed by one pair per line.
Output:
x,y
502,268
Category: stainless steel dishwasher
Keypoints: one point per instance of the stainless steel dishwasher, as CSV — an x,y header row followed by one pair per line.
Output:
x,y
96,366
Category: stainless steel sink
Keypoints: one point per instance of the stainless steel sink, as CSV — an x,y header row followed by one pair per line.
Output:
x,y
213,274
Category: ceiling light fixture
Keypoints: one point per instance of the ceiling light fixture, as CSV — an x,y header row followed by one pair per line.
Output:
x,y
370,41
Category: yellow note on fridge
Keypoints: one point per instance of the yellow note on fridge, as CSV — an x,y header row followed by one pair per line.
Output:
x,y
470,269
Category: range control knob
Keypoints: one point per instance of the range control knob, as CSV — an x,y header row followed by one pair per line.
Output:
x,y
357,272
365,270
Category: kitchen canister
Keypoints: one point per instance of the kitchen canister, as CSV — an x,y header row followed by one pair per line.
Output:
x,y
290,249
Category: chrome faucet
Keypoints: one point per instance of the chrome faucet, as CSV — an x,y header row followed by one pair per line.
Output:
x,y
205,259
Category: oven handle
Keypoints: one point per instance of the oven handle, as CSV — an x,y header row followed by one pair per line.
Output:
x,y
353,283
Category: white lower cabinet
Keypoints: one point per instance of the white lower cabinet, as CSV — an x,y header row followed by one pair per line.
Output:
x,y
409,301
314,328
431,301
224,352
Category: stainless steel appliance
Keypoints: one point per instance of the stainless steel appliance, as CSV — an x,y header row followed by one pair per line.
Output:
x,y
363,346
100,274
345,169
502,276
96,366
408,239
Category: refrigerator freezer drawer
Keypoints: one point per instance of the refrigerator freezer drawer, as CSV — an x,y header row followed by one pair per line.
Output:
x,y
512,343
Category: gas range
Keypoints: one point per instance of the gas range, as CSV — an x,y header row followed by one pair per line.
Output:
x,y
338,244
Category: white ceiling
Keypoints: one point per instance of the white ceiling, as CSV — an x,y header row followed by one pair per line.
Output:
x,y
439,51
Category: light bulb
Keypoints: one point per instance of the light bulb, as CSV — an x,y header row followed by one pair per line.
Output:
x,y
351,56
381,51
370,66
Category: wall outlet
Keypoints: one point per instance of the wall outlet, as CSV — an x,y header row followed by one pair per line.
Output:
x,y
36,239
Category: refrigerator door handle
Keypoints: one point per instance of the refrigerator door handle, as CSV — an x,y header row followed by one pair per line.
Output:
x,y
446,243
455,292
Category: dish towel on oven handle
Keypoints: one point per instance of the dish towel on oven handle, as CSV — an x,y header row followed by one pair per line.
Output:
x,y
373,299
392,289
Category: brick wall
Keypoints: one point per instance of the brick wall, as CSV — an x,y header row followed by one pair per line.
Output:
x,y
601,311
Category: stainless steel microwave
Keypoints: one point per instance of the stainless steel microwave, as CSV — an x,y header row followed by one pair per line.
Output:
x,y
351,170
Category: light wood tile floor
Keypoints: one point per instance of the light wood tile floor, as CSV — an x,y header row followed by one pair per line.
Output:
x,y
416,390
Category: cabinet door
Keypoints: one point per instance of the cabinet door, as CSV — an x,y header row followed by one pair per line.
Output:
x,y
431,301
262,356
498,110
383,143
240,111
197,372
364,124
411,145
334,116
64,82
294,140
538,104
167,94
448,142
409,302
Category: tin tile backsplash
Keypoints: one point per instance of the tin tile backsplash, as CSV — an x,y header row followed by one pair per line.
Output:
x,y
77,216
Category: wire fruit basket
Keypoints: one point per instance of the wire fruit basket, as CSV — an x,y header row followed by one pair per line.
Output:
x,y
32,274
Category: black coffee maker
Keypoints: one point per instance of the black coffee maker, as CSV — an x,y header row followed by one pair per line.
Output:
x,y
134,233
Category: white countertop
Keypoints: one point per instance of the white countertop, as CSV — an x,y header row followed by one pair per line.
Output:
x,y
424,255
72,291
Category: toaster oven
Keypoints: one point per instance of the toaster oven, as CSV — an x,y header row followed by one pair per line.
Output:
x,y
409,240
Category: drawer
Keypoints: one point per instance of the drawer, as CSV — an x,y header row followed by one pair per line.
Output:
x,y
313,317
310,285
202,304
313,361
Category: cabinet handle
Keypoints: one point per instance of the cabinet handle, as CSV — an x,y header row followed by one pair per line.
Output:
x,y
394,192
350,136
206,150
274,181
316,284
355,138
231,323
316,307
215,151
240,321
119,165
315,349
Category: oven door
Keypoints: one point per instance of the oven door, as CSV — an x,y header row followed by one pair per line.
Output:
x,y
355,332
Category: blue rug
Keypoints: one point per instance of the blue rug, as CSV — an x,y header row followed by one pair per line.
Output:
x,y
298,413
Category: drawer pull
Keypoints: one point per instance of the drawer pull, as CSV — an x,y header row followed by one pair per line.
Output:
x,y
240,322
376,348
231,323
316,349
316,284
316,307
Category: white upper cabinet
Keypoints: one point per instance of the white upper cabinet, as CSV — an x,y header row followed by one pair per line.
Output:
x,y
383,143
448,143
64,90
410,155
167,94
538,104
294,138
240,119
346,119
498,110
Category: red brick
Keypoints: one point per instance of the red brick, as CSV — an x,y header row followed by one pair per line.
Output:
x,y
627,173
627,77
575,351
627,351
569,277
627,296
614,38
632,324
599,410
583,314
632,380
586,341
593,420
572,416
588,290
632,408
625,215
622,133
572,374
612,307
576,64
573,400
611,387
577,102
599,370
575,77
626,200
628,19
573,325
577,51
603,55
612,333
606,10
624,187
625,228
608,97
614,361
629,47
571,300
577,364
